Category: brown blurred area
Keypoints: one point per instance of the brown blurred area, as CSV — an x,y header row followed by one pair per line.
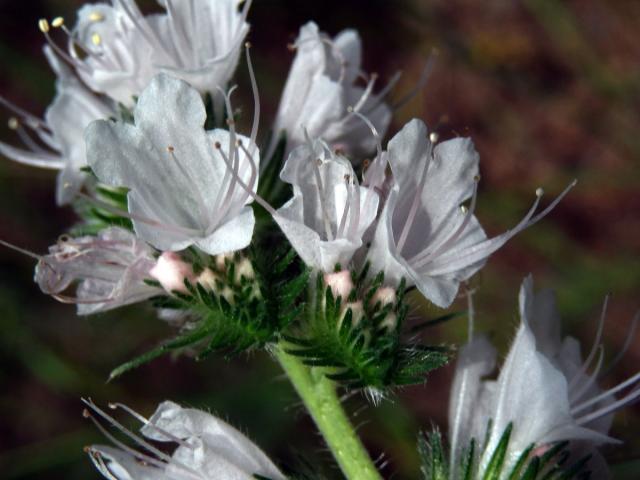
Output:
x,y
549,90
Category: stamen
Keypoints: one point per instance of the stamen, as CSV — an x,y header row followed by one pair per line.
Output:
x,y
96,39
596,344
98,462
625,347
355,220
28,253
96,17
578,394
202,207
366,94
623,402
255,196
139,440
256,100
606,394
321,199
345,211
31,120
422,81
482,250
416,202
423,257
145,421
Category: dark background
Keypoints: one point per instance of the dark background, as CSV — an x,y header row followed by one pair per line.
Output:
x,y
549,90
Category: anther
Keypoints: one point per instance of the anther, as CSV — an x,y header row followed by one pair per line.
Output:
x,y
291,47
318,162
96,17
539,192
57,22
85,413
96,39
247,44
43,25
347,177
365,163
476,178
217,145
13,123
86,449
433,137
463,209
170,149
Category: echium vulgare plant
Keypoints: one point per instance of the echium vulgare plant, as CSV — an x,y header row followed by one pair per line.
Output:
x,y
305,243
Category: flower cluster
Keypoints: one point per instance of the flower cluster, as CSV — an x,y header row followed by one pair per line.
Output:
x,y
543,395
179,208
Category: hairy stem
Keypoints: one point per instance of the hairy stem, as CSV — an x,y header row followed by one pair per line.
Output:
x,y
319,396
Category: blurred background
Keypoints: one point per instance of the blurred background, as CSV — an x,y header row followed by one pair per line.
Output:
x,y
549,90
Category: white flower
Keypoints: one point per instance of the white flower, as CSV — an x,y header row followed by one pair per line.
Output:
x,y
59,143
110,268
117,50
544,390
208,448
187,186
320,89
329,212
425,234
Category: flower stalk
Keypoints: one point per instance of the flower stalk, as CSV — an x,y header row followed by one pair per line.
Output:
x,y
319,396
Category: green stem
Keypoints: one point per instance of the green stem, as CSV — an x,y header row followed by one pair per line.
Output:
x,y
319,396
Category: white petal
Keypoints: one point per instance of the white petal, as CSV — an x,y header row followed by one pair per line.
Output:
x,y
475,360
216,435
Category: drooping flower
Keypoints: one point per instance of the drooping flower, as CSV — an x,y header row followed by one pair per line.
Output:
x,y
110,268
544,392
58,142
425,234
329,212
117,50
187,186
320,89
207,448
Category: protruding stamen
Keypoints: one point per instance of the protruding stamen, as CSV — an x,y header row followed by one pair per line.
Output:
x,y
43,25
606,410
631,334
256,100
254,195
13,123
433,137
142,419
424,256
416,202
596,344
28,253
57,22
422,81
606,394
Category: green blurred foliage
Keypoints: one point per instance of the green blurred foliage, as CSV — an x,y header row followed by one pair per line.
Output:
x,y
548,89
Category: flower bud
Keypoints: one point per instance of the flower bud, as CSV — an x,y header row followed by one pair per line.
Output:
x,y
340,283
209,280
171,271
389,322
221,261
384,296
244,268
